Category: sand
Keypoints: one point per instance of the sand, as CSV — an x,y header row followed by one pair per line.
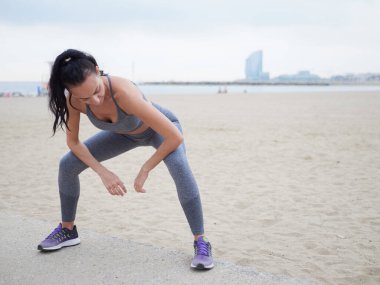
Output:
x,y
103,259
289,181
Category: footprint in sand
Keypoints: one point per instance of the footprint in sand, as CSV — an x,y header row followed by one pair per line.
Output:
x,y
310,245
323,251
267,222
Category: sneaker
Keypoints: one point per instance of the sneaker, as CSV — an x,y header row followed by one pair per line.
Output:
x,y
202,254
59,238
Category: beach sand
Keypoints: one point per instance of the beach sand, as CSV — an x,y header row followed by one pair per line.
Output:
x,y
289,181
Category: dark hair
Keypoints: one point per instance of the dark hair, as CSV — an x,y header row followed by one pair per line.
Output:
x,y
70,68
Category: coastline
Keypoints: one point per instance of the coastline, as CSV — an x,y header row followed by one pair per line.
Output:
x,y
37,88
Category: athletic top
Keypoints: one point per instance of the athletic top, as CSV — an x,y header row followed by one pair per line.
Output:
x,y
125,122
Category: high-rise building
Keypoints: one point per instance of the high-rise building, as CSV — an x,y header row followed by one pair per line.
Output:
x,y
303,75
254,67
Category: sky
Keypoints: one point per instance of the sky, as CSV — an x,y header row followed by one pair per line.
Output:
x,y
191,40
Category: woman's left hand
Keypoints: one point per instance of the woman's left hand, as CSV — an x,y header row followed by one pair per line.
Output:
x,y
140,180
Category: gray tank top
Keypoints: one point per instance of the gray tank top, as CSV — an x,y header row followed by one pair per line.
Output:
x,y
125,122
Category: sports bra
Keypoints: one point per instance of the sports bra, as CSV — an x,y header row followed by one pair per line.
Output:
x,y
125,122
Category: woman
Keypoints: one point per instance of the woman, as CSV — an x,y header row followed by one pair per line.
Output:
x,y
127,120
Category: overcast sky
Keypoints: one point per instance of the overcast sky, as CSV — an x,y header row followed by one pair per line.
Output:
x,y
191,40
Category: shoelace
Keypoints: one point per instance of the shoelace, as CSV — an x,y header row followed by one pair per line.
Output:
x,y
57,233
202,248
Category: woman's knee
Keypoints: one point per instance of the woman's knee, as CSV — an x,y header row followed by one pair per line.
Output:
x,y
70,163
176,159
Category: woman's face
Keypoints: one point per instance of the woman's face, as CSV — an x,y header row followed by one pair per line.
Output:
x,y
91,91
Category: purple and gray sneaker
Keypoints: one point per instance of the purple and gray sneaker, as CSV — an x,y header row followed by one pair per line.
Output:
x,y
59,238
202,254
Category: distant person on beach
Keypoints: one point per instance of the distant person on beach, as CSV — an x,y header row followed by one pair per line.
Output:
x,y
127,120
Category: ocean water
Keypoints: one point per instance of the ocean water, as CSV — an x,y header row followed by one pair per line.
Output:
x,y
213,89
31,88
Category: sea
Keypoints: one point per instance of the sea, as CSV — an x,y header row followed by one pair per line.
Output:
x,y
30,88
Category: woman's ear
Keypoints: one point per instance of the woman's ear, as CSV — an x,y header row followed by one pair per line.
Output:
x,y
97,70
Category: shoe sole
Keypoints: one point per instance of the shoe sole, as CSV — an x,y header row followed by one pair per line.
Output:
x,y
67,243
202,266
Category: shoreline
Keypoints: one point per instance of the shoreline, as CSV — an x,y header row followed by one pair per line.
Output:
x,y
216,93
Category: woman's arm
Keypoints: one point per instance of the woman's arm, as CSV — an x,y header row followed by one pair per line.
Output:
x,y
113,184
130,100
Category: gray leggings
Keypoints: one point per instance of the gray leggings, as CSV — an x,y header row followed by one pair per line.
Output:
x,y
106,144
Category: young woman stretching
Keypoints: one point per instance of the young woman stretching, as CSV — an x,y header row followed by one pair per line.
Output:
x,y
127,120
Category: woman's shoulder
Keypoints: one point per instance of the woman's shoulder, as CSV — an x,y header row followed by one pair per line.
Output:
x,y
120,83
124,87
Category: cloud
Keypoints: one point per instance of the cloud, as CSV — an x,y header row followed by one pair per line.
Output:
x,y
196,15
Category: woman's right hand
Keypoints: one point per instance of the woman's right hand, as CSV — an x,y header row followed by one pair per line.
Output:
x,y
113,184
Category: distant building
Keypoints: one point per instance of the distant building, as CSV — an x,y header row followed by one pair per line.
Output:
x,y
254,67
303,75
361,77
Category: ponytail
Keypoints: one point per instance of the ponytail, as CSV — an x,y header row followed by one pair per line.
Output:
x,y
70,68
